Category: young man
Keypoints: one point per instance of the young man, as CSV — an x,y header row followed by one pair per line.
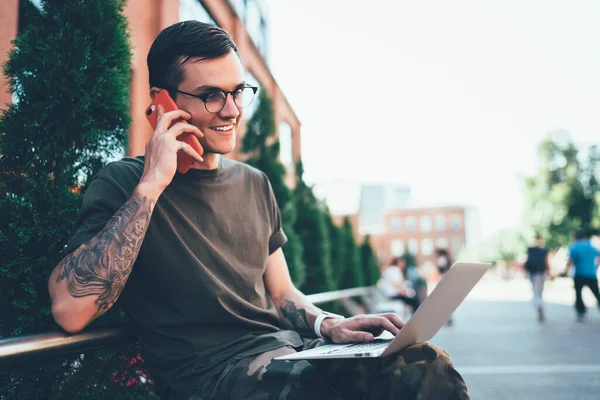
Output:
x,y
537,267
584,257
195,259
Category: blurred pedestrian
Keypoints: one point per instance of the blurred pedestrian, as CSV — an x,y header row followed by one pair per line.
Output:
x,y
537,267
444,263
444,260
413,278
584,258
394,285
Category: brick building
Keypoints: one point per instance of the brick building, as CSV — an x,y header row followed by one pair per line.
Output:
x,y
420,230
246,20
395,225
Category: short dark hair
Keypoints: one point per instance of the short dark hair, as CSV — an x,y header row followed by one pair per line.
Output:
x,y
180,42
582,234
397,260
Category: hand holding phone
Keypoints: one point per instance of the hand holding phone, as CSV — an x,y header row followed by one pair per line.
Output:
x,y
184,160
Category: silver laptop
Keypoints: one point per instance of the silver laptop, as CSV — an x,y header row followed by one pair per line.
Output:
x,y
431,315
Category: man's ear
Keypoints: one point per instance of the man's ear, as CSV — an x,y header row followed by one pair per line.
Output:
x,y
154,91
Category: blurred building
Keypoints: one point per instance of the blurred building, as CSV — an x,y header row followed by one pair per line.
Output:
x,y
377,201
396,225
421,230
246,20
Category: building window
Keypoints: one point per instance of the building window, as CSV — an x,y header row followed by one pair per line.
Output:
x,y
396,224
425,223
441,243
264,39
427,247
256,26
411,224
193,10
240,8
440,223
285,145
397,247
413,246
456,222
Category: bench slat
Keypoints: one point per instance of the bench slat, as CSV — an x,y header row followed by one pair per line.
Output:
x,y
20,350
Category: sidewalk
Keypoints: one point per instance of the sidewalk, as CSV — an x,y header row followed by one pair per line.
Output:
x,y
557,291
504,353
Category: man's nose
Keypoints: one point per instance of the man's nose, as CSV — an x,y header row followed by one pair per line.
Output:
x,y
230,110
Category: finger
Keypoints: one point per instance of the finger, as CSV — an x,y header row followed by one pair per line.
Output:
x,y
189,150
165,120
395,319
377,321
182,127
349,336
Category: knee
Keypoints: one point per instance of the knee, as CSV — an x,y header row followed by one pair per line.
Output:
x,y
423,352
429,371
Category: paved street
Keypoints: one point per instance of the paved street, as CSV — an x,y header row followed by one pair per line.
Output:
x,y
502,351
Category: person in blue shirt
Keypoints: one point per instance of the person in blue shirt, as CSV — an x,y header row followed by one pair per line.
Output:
x,y
584,258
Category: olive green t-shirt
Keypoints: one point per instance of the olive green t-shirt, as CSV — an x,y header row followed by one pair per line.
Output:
x,y
196,294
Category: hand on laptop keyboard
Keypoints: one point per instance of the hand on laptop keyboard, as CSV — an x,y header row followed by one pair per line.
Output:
x,y
360,328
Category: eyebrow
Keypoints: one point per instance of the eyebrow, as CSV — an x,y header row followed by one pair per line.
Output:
x,y
215,88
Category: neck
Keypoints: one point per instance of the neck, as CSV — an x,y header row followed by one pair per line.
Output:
x,y
211,161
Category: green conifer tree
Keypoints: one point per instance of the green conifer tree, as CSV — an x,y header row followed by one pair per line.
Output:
x,y
69,72
312,230
369,263
352,275
336,241
262,148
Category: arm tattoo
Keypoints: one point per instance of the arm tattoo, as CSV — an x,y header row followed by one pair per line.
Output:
x,y
101,267
294,317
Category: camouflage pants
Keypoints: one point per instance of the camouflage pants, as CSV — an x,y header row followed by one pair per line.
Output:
x,y
421,371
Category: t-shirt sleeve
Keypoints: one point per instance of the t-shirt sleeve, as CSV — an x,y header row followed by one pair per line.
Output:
x,y
101,201
278,237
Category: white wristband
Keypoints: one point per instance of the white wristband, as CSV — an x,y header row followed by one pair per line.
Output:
x,y
320,319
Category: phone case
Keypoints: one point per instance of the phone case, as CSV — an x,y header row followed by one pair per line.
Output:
x,y
184,160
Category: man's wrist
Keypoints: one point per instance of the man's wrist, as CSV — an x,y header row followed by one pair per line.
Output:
x,y
324,322
152,192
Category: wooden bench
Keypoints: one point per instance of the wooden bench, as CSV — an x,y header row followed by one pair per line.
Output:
x,y
19,350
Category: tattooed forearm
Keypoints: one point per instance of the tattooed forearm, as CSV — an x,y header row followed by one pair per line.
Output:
x,y
102,266
295,318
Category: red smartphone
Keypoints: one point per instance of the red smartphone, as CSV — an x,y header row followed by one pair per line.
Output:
x,y
184,160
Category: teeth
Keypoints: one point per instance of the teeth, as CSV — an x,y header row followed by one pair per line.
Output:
x,y
223,128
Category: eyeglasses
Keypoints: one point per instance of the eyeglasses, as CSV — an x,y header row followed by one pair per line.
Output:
x,y
215,100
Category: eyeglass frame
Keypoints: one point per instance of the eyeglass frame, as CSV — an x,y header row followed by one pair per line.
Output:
x,y
204,96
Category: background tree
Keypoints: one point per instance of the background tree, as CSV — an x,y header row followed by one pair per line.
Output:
x,y
312,230
562,197
262,151
69,71
338,253
352,275
369,263
410,259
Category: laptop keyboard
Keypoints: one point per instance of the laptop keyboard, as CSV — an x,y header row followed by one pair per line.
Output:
x,y
378,344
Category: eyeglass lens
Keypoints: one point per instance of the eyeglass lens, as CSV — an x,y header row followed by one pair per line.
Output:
x,y
242,97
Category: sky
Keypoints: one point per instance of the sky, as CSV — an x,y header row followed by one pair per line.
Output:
x,y
448,97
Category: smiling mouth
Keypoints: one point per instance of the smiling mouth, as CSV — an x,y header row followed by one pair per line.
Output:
x,y
224,128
